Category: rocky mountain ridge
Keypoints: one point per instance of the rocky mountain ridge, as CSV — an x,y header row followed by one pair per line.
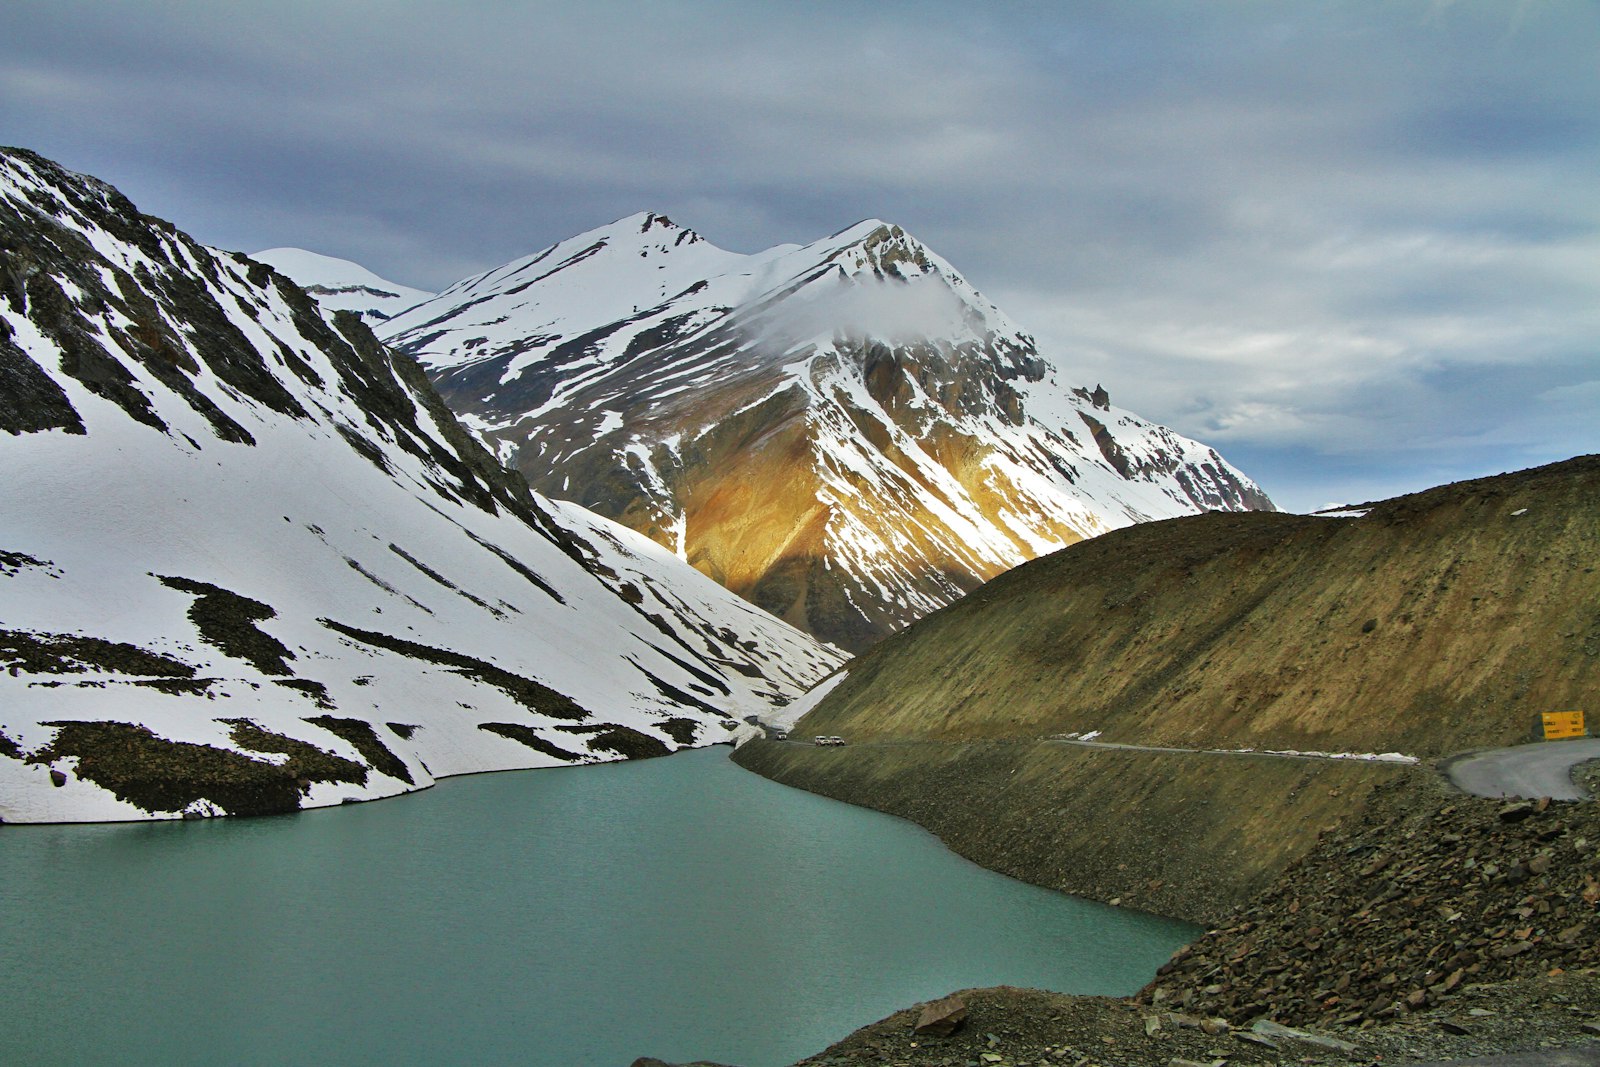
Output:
x,y
846,433
250,562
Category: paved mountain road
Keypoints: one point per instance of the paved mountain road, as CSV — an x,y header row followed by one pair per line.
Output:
x,y
1534,770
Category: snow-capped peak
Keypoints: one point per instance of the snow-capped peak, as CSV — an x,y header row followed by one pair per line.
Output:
x,y
886,248
847,432
250,562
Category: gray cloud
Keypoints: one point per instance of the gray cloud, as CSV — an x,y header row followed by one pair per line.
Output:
x,y
1352,245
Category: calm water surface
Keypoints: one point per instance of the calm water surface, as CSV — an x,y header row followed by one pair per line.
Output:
x,y
680,908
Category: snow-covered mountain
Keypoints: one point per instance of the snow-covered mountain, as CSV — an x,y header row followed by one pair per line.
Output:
x,y
845,432
249,562
340,285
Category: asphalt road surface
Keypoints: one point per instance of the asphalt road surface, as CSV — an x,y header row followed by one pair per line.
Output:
x,y
1541,769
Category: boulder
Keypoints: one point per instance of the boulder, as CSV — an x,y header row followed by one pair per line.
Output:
x,y
940,1018
1288,1034
1517,811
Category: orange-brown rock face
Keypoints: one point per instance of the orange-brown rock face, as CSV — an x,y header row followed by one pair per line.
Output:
x,y
846,433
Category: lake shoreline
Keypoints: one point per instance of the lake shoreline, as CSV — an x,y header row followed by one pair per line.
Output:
x,y
1188,836
1500,999
683,906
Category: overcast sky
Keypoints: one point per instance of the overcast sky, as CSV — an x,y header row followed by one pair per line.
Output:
x,y
1355,246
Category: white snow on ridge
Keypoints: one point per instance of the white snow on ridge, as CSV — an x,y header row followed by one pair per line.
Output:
x,y
785,717
941,442
466,630
340,285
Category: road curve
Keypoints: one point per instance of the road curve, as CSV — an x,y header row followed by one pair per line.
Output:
x,y
1543,769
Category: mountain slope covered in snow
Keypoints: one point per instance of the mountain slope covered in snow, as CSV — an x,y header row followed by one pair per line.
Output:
x,y
249,562
340,285
847,433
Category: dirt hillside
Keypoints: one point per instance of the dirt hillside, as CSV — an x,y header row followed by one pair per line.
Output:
x,y
1433,623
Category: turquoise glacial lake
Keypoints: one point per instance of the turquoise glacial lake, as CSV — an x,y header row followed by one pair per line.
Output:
x,y
680,907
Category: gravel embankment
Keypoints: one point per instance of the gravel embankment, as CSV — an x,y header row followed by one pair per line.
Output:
x,y
1424,892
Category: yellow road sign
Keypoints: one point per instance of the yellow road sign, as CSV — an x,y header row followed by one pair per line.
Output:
x,y
1559,724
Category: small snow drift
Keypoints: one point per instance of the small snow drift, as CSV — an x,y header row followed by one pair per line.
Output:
x,y
251,563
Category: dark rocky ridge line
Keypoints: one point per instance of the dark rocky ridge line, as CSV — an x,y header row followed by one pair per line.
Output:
x,y
39,251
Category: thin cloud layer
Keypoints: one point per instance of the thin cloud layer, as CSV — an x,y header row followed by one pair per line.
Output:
x,y
1354,246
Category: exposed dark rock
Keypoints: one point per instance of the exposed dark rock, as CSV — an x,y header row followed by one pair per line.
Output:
x,y
628,743
43,653
227,621
12,564
366,741
527,735
161,776
535,696
29,400
681,730
316,691
1453,905
1516,812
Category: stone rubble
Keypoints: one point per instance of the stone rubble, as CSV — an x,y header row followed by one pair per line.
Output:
x,y
1399,911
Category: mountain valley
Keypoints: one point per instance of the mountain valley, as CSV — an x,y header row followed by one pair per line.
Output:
x,y
253,562
1239,719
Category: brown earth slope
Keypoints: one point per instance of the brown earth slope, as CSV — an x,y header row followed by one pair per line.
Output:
x,y
1437,622
1362,898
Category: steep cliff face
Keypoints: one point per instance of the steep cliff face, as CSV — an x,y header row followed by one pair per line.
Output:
x,y
250,562
845,433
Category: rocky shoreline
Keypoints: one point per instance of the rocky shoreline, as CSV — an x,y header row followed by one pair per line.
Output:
x,y
1426,891
1185,835
1426,926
